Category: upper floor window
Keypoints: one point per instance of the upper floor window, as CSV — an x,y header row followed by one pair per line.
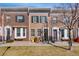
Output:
x,y
66,20
19,18
35,19
54,20
39,19
8,17
43,19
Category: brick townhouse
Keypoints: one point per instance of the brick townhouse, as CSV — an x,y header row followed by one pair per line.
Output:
x,y
14,23
27,23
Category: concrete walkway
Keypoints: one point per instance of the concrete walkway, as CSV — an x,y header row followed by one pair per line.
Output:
x,y
28,43
24,43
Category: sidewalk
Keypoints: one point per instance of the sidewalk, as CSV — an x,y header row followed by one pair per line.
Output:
x,y
28,43
24,43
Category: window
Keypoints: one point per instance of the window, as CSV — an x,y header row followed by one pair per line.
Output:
x,y
39,19
62,32
66,20
18,32
39,32
19,18
35,19
43,19
32,32
54,20
23,31
8,17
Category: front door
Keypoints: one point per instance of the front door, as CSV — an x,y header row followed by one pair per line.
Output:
x,y
46,34
55,35
8,33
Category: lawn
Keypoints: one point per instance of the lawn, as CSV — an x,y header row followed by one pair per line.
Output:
x,y
38,51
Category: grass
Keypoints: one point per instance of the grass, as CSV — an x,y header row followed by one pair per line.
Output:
x,y
38,51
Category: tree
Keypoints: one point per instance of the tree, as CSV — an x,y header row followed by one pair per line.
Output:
x,y
70,16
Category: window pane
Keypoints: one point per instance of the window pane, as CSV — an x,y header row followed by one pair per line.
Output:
x,y
18,31
23,31
37,19
39,32
32,32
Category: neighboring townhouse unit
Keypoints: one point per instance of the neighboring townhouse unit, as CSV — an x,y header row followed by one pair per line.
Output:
x,y
58,30
38,23
15,23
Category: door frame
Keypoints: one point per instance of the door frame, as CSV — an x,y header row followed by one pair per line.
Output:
x,y
55,28
6,31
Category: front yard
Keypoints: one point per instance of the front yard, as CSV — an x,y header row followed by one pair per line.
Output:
x,y
37,51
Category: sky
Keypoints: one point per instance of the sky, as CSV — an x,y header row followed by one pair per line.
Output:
x,y
34,5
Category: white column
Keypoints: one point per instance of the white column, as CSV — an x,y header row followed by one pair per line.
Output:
x,y
58,34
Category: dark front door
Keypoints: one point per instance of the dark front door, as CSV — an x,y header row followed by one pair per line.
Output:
x,y
8,34
46,34
55,35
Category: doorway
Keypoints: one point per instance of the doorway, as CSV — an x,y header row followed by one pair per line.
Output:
x,y
55,36
46,34
7,33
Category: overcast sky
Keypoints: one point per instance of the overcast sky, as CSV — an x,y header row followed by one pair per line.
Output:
x,y
35,5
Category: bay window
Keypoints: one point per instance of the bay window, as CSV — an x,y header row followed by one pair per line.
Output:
x,y
20,32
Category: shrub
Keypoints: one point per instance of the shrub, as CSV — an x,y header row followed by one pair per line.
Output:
x,y
36,40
